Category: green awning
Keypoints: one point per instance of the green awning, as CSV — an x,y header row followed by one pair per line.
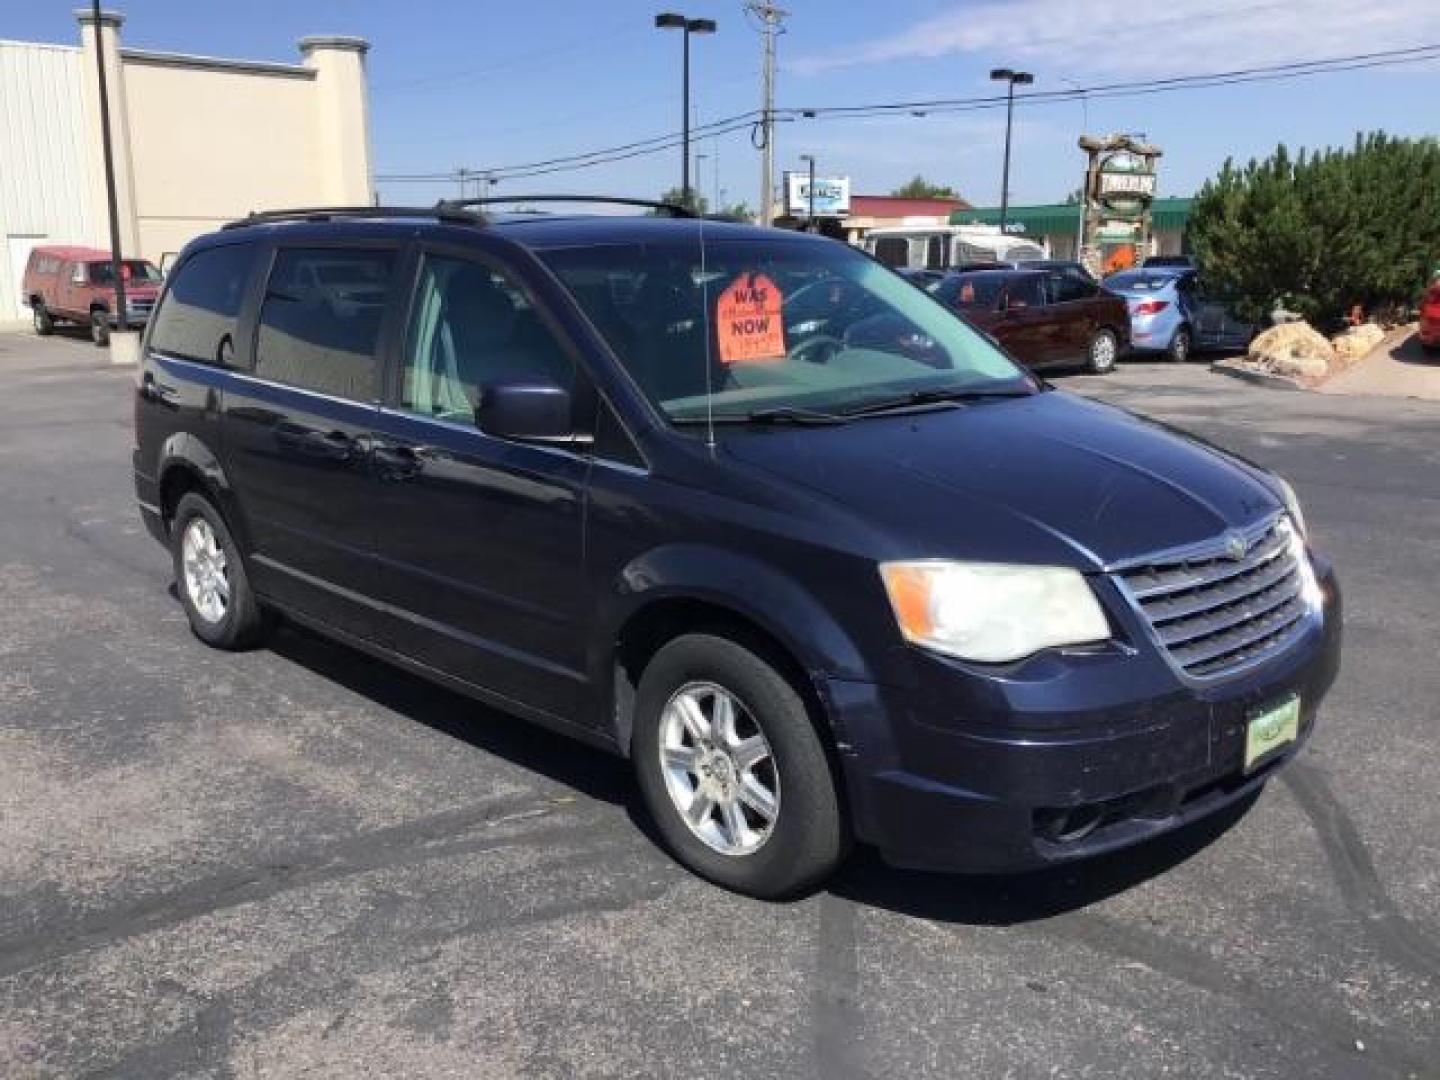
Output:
x,y
1064,218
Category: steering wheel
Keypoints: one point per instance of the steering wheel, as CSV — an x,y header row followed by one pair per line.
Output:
x,y
822,346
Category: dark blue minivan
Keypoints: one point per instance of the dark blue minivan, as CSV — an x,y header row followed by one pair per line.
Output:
x,y
743,506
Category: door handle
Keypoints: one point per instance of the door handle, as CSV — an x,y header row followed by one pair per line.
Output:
x,y
396,461
163,393
311,442
334,444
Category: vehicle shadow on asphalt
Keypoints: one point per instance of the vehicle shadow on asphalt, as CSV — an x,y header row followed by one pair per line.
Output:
x,y
564,760
1409,351
997,900
1009,899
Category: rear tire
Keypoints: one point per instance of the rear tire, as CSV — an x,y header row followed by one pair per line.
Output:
x,y
100,328
44,321
1180,346
211,580
1101,353
767,820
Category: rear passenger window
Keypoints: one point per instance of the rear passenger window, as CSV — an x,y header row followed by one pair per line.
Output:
x,y
1026,292
202,305
320,320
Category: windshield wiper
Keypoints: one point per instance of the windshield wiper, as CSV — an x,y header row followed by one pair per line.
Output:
x,y
935,396
779,414
789,414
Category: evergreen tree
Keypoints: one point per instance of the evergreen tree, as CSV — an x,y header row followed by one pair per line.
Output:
x,y
1322,231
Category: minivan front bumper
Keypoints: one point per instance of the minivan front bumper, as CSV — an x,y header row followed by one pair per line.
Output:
x,y
1085,754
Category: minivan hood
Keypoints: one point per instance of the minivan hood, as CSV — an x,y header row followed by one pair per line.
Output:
x,y
1051,478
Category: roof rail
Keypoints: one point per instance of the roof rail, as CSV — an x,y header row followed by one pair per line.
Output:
x,y
672,209
442,212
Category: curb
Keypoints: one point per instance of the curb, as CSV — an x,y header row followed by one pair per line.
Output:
x,y
1274,382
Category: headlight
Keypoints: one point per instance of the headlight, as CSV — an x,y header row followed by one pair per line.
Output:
x,y
1292,504
992,612
1295,546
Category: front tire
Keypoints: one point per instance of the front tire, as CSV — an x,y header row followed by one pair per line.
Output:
x,y
210,578
100,328
733,770
43,320
1101,353
1180,346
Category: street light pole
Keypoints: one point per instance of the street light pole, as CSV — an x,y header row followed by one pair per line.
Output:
x,y
671,21
1012,79
810,192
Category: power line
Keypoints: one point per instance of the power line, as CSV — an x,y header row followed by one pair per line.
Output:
x,y
1292,70
752,119
512,173
656,144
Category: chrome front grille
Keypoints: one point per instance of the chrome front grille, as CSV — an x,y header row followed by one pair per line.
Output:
x,y
1227,605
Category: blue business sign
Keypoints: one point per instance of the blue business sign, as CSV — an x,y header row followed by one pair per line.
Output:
x,y
832,195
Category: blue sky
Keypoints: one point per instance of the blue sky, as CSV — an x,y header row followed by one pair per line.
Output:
x,y
485,84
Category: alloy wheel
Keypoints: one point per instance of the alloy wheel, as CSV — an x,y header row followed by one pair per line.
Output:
x,y
719,769
207,580
1102,352
1180,347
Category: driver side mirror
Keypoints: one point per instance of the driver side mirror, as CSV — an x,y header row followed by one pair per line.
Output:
x,y
525,409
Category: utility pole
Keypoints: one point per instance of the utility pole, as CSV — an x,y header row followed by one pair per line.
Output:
x,y
770,17
117,263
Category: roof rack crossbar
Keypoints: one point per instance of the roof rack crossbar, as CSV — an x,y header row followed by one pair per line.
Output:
x,y
672,209
441,211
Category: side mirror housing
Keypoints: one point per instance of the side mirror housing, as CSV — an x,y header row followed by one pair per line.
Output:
x,y
524,409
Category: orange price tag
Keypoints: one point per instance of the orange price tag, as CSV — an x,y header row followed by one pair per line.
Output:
x,y
749,321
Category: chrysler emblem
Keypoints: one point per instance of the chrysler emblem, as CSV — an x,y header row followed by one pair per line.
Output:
x,y
1236,545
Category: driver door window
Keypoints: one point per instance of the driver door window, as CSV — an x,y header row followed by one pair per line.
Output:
x,y
1069,285
472,325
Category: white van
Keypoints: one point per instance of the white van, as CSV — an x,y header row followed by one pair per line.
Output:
x,y
939,247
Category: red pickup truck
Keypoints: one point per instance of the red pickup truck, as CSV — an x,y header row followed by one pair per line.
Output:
x,y
76,285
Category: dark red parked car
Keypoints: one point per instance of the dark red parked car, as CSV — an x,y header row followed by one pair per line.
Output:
x,y
1043,318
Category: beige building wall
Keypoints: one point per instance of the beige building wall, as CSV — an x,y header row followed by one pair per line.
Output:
x,y
210,144
197,141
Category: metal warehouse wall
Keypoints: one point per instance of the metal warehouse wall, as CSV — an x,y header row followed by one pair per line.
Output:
x,y
43,197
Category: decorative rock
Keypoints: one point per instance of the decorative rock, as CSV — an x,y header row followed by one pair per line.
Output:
x,y
1357,341
1295,349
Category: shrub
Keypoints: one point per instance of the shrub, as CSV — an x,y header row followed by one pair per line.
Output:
x,y
1323,231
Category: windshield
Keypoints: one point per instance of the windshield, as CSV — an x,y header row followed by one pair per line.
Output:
x,y
750,325
135,270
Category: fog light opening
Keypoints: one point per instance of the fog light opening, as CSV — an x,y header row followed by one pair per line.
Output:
x,y
1065,825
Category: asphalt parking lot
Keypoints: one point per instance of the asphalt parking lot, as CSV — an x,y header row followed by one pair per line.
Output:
x,y
297,862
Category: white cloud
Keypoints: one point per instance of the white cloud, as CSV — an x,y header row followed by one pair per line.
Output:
x,y
1095,38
